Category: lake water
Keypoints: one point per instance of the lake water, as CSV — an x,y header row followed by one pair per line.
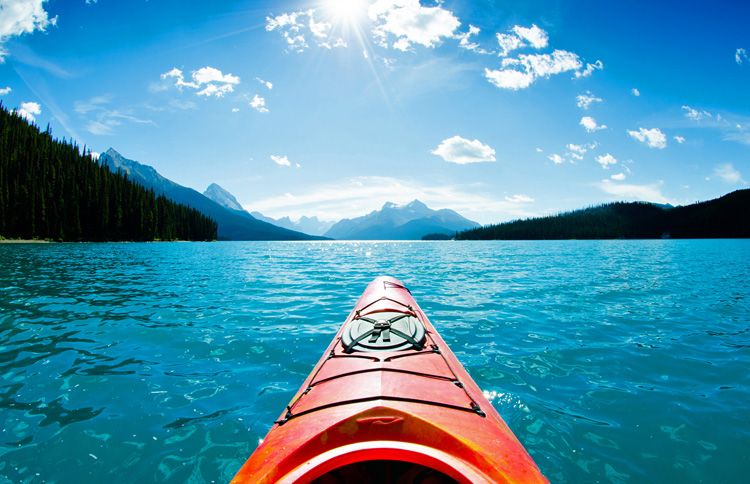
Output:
x,y
612,361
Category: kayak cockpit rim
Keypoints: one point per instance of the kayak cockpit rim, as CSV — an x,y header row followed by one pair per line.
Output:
x,y
361,452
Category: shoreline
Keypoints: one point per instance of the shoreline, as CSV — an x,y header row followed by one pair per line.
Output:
x,y
26,241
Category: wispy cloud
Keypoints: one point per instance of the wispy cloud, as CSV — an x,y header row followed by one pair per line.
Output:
x,y
519,198
206,81
653,138
591,125
635,92
5,91
727,173
298,26
268,84
696,114
463,151
522,71
606,160
101,119
577,152
740,56
624,191
353,197
589,69
584,101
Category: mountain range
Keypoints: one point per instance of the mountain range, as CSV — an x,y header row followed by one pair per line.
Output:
x,y
400,222
392,222
309,225
233,224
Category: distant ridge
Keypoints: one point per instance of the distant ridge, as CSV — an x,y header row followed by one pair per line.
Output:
x,y
306,225
724,217
309,225
401,222
232,224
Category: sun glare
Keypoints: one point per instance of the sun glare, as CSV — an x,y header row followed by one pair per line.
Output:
x,y
345,10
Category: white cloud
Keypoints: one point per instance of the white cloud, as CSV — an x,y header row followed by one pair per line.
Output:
x,y
519,198
539,150
5,91
281,160
518,37
618,176
606,160
235,110
521,72
635,92
545,65
353,197
206,81
464,40
577,152
296,27
729,174
535,36
508,43
407,22
591,125
590,68
584,101
290,27
318,29
654,137
463,151
646,193
509,78
740,56
679,139
18,17
268,84
556,159
695,114
206,75
259,104
29,110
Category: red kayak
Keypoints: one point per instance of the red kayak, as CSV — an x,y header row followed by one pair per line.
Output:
x,y
389,402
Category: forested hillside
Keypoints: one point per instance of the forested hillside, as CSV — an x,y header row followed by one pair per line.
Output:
x,y
49,190
725,217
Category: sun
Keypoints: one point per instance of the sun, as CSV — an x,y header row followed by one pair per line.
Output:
x,y
345,10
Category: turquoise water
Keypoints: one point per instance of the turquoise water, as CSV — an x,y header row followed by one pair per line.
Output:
x,y
612,361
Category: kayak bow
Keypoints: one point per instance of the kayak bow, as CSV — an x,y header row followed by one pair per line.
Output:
x,y
389,402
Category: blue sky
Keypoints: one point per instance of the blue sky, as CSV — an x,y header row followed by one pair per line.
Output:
x,y
498,109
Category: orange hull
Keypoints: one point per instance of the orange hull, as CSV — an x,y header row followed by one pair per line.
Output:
x,y
389,389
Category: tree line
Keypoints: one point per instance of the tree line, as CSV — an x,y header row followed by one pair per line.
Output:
x,y
724,217
51,189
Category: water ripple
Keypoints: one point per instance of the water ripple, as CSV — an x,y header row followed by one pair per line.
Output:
x,y
612,361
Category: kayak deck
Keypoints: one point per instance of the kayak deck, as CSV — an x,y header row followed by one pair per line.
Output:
x,y
389,390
